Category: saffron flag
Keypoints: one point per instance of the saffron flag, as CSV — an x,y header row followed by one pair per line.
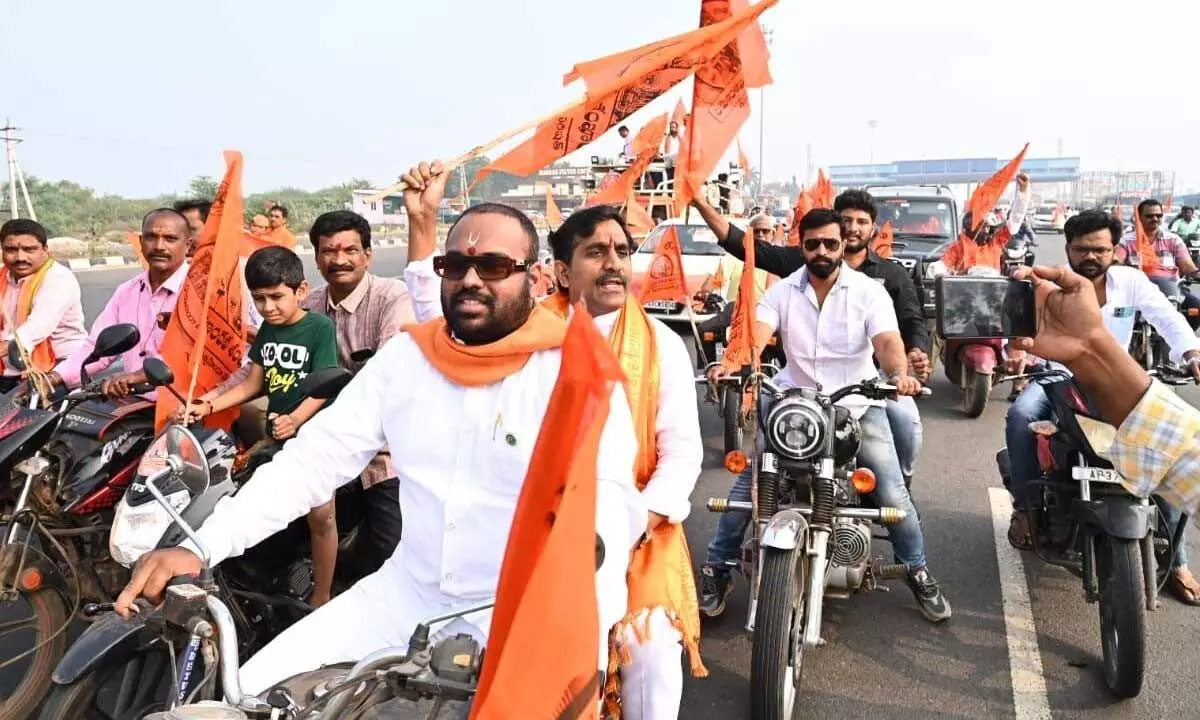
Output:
x,y
740,350
554,216
135,241
720,103
636,216
645,147
823,192
881,244
679,113
985,197
1146,251
205,339
743,161
804,203
665,280
543,646
618,86
1167,203
252,243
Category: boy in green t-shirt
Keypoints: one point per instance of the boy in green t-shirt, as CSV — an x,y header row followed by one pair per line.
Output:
x,y
291,344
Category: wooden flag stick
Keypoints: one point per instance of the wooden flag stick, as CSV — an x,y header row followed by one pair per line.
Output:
x,y
482,149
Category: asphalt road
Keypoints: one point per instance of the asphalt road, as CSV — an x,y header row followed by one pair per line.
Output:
x,y
881,658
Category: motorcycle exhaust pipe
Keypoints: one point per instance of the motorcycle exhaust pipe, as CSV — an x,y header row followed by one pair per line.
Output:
x,y
886,515
816,587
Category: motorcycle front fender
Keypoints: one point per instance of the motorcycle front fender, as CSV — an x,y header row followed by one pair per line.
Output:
x,y
980,358
111,636
785,530
1119,517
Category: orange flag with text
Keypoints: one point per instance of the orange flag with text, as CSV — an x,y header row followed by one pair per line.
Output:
x,y
720,103
881,244
1146,251
543,646
205,340
618,86
740,350
554,216
665,279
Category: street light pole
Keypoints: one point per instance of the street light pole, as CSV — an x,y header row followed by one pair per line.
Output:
x,y
762,119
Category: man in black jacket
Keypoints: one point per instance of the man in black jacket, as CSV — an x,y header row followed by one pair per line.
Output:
x,y
857,211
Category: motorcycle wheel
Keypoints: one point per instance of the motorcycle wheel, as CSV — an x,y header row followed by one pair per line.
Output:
x,y
119,688
1122,615
49,615
975,393
731,409
777,655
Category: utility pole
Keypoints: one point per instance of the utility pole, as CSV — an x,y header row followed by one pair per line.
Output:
x,y
762,118
15,175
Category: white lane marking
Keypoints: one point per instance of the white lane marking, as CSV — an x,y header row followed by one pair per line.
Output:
x,y
1024,658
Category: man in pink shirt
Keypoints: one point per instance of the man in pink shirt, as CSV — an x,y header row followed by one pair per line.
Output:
x,y
1174,259
146,302
42,306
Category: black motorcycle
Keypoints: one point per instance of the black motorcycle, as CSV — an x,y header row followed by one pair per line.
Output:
x,y
69,459
1193,245
264,591
1082,518
1148,347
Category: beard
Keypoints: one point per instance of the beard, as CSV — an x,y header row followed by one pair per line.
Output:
x,y
1090,269
497,321
822,268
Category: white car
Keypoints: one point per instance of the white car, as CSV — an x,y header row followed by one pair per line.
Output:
x,y
701,258
1046,218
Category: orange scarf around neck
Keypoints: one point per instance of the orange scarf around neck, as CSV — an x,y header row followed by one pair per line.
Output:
x,y
42,355
479,365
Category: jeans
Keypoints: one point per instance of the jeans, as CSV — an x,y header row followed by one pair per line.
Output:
x,y
1170,287
1174,515
877,453
1032,404
905,421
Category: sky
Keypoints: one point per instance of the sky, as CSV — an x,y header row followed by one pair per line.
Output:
x,y
137,97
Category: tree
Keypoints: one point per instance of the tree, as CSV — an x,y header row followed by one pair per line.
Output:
x,y
203,186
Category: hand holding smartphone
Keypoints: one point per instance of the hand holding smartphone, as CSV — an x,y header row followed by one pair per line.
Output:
x,y
981,308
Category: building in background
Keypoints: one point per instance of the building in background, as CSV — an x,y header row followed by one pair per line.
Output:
x,y
1097,188
569,184
385,211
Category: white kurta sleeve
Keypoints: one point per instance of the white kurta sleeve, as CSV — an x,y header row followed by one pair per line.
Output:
x,y
425,288
330,450
677,433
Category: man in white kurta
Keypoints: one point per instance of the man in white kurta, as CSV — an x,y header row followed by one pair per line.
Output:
x,y
461,454
592,252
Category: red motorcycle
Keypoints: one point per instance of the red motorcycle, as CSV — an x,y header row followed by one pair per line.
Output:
x,y
971,364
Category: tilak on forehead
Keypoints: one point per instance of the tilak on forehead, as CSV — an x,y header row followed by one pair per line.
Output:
x,y
472,241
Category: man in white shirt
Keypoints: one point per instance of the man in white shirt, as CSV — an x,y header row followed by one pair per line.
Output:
x,y
1123,292
593,252
627,153
459,402
833,321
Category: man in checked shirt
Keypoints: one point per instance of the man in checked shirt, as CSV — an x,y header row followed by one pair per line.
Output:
x,y
367,310
1157,446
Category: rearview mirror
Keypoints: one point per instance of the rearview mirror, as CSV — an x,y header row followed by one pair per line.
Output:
x,y
114,340
158,373
14,360
325,384
184,447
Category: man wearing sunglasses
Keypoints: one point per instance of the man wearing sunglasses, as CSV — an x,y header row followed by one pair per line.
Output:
x,y
835,320
1174,260
857,212
593,251
460,402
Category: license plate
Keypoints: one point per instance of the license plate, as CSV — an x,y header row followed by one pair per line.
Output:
x,y
664,305
1100,475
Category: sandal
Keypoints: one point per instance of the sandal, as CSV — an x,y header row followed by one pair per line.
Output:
x,y
1018,531
1185,586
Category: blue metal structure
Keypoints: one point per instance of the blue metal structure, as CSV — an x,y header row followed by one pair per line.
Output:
x,y
970,170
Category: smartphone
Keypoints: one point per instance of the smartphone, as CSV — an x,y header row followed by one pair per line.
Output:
x,y
976,308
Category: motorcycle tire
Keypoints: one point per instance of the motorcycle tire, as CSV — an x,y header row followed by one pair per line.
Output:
x,y
777,654
150,671
49,615
731,409
975,393
1122,615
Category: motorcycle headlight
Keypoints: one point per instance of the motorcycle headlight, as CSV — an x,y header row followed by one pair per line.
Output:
x,y
796,427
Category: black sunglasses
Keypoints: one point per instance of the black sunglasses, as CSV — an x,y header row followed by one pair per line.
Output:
x,y
490,268
830,244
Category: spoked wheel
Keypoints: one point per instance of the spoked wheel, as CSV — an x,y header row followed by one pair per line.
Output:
x,y
731,409
30,622
124,688
1122,615
777,658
